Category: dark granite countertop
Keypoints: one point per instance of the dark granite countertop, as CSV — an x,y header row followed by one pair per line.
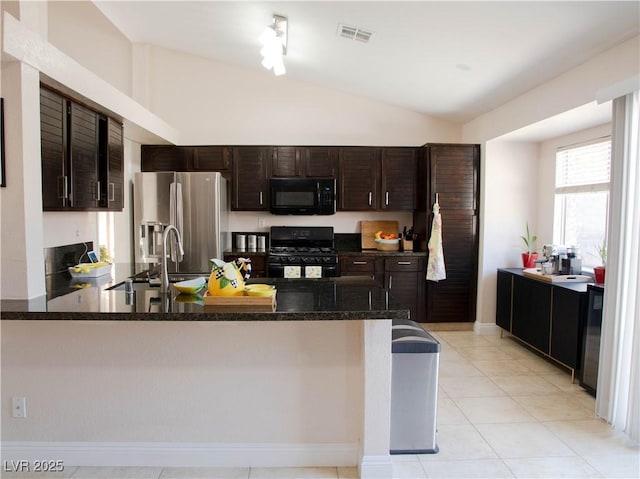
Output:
x,y
358,252
246,252
343,298
375,252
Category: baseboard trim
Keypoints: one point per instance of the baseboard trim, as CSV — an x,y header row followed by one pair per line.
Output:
x,y
160,454
376,467
486,328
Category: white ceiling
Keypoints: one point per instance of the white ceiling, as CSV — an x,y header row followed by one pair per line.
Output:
x,y
451,60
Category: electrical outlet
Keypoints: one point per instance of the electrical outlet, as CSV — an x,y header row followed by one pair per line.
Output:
x,y
19,404
261,222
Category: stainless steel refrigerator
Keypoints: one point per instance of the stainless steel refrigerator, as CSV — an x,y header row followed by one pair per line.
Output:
x,y
196,203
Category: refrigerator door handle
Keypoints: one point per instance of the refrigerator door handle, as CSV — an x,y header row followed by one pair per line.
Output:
x,y
176,215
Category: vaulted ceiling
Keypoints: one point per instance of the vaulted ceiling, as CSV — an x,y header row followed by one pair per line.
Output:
x,y
451,60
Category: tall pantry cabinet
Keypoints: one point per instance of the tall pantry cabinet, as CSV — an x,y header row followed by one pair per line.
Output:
x,y
452,172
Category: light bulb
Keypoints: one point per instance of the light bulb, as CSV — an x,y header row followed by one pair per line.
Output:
x,y
278,67
267,35
267,63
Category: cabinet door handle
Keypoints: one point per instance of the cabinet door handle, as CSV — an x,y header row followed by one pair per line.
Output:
x,y
97,191
359,262
112,191
390,280
386,199
261,198
404,263
370,198
63,187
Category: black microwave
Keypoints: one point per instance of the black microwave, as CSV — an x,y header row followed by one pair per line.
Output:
x,y
302,196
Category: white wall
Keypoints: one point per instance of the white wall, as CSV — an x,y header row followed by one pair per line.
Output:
x,y
511,172
238,106
81,31
21,250
26,49
297,383
224,104
574,88
521,176
567,91
342,222
547,160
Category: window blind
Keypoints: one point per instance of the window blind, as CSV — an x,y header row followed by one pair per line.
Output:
x,y
587,164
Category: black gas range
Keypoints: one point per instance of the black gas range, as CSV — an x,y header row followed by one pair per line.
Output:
x,y
302,252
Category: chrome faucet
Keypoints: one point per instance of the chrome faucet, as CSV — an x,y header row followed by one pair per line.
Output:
x,y
164,280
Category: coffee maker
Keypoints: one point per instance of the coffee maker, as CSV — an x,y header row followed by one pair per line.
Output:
x,y
560,259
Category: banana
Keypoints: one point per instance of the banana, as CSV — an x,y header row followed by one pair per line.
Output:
x,y
86,267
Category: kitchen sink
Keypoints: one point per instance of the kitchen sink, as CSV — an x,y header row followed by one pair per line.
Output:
x,y
142,282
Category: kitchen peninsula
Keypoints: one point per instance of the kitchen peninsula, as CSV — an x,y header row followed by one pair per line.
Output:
x,y
159,381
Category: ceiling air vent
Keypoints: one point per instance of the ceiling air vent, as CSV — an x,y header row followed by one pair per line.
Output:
x,y
354,33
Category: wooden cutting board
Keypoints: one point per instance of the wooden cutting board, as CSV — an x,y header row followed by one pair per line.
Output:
x,y
368,230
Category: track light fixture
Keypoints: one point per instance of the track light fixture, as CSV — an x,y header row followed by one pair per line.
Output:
x,y
274,45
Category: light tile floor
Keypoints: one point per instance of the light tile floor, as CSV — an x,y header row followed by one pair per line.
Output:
x,y
503,412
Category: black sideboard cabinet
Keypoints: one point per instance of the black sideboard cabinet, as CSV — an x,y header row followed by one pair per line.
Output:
x,y
549,317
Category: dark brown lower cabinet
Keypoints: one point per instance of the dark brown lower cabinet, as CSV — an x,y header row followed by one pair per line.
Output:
x,y
364,265
504,300
568,322
547,316
402,276
532,312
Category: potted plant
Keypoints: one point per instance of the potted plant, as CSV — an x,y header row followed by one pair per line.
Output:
x,y
599,271
530,256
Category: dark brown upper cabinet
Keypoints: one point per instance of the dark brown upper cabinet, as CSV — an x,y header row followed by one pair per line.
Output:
x,y
359,179
83,154
53,137
319,162
310,162
166,158
285,161
186,158
250,184
212,158
398,179
82,160
112,166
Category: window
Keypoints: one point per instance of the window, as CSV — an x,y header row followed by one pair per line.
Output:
x,y
582,197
